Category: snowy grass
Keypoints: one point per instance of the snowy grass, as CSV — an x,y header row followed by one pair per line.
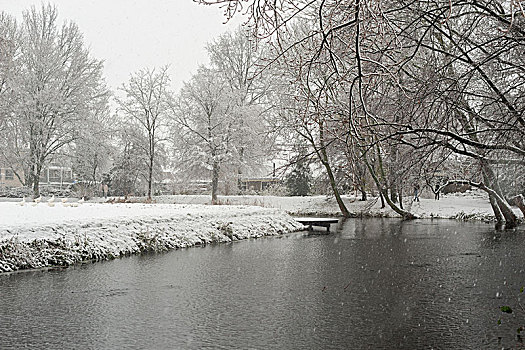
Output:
x,y
472,205
42,236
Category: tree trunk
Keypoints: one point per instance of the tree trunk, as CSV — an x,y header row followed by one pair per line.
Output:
x,y
35,178
239,171
383,205
340,203
214,182
393,192
405,214
400,194
520,203
499,204
323,156
361,179
150,177
494,191
363,193
36,181
511,220
490,178
500,220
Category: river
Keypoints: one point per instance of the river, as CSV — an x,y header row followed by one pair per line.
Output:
x,y
370,284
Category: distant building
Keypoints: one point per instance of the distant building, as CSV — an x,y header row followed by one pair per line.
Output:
x,y
56,176
51,176
258,184
191,187
8,178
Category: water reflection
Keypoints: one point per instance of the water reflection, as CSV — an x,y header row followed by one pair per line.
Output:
x,y
372,284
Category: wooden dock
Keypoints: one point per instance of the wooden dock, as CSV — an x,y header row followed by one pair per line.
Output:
x,y
322,222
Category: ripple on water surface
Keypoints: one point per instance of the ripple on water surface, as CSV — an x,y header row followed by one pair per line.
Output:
x,y
370,284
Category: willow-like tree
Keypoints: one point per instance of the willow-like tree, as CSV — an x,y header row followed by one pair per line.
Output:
x,y
414,81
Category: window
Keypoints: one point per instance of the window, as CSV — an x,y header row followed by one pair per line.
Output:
x,y
54,175
9,175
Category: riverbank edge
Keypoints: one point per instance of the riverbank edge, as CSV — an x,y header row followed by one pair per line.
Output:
x,y
63,245
459,216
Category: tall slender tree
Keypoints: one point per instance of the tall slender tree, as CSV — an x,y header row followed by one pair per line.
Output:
x,y
145,106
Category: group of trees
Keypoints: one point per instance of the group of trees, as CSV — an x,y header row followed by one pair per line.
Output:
x,y
384,93
393,90
51,91
213,127
54,105
219,115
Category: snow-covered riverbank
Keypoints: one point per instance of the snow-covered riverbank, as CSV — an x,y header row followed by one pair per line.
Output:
x,y
40,236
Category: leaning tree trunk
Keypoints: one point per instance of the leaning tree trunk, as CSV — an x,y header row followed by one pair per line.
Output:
x,y
520,203
333,185
509,218
383,205
323,156
405,214
500,219
494,191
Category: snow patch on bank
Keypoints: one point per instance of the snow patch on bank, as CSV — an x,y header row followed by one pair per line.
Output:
x,y
41,236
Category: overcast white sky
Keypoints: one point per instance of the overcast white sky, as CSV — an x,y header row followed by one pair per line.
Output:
x,y
133,34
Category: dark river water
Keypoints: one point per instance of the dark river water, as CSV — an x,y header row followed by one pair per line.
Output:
x,y
370,284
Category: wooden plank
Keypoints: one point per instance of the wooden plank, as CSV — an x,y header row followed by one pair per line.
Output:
x,y
323,222
318,220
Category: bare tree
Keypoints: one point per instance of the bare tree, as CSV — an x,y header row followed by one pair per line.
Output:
x,y
93,150
9,135
128,172
10,43
203,124
237,59
145,106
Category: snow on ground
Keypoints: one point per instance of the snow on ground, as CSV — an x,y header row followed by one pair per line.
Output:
x,y
40,236
33,236
472,205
